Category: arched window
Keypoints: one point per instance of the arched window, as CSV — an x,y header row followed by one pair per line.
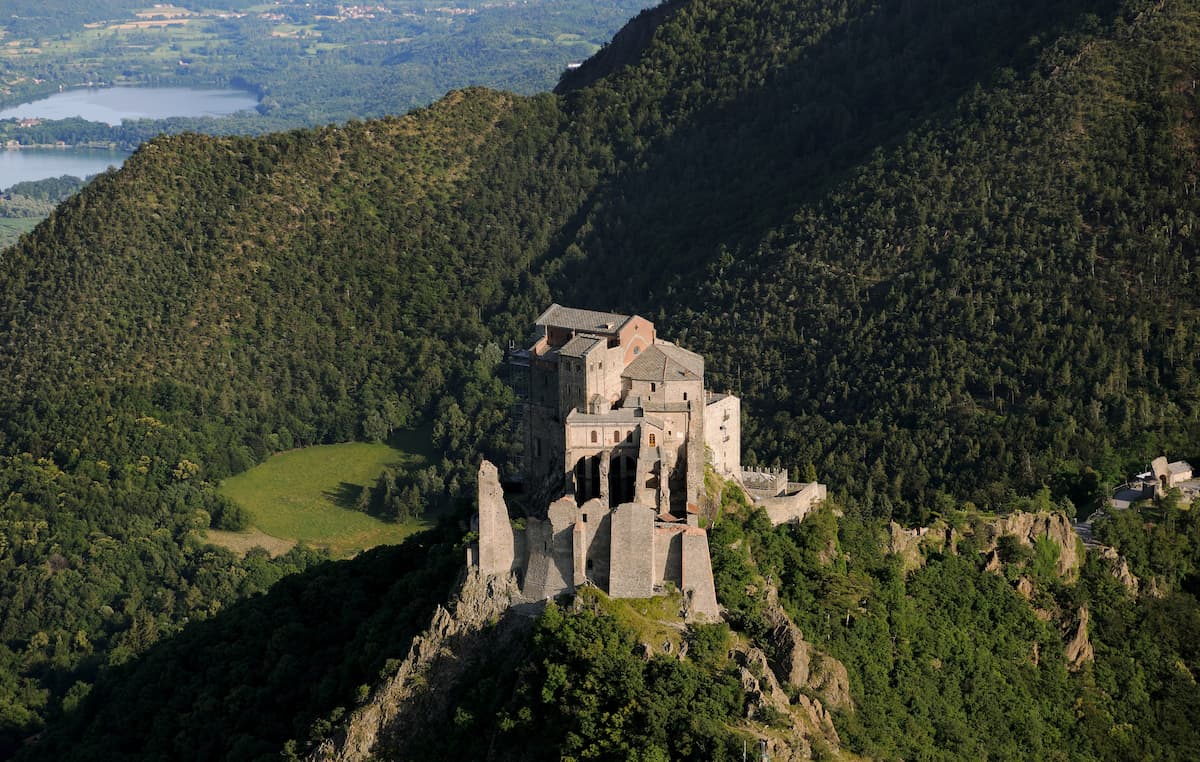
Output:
x,y
616,437
595,437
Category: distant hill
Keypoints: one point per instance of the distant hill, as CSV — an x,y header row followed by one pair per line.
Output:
x,y
944,252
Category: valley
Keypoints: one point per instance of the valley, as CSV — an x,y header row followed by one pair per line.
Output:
x,y
944,256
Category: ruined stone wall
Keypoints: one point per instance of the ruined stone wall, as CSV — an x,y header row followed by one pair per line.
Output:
x,y
599,542
697,578
668,555
551,542
497,552
631,559
795,504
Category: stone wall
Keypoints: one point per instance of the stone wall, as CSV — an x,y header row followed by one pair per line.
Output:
x,y
668,555
497,551
551,544
723,434
796,502
631,559
697,578
764,482
599,545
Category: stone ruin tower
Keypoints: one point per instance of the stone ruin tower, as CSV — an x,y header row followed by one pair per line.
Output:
x,y
617,427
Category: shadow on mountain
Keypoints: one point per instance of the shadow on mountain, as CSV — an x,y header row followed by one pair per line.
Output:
x,y
265,670
738,168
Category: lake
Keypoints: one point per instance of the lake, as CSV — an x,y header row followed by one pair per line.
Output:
x,y
109,105
113,104
20,165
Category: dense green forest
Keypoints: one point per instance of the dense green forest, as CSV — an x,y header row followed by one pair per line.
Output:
x,y
943,252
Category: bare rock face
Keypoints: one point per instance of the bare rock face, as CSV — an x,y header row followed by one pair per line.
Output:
x,y
806,720
906,543
439,656
793,652
1025,587
1120,569
799,665
1079,649
994,565
1028,527
831,680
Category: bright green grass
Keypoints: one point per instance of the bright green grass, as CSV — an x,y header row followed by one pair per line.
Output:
x,y
295,495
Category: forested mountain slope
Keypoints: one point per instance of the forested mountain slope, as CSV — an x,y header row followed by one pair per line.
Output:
x,y
944,252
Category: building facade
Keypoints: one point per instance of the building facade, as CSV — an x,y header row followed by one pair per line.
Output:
x,y
613,422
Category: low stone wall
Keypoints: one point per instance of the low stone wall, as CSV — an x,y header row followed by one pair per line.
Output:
x,y
793,506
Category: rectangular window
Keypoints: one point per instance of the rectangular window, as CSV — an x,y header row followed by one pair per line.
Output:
x,y
653,386
585,518
651,440
595,437
537,447
616,437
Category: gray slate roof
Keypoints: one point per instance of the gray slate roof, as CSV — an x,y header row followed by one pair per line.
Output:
x,y
689,360
578,346
581,320
656,365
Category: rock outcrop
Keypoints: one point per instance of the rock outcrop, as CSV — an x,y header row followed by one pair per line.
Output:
x,y
441,656
913,544
1029,527
799,665
805,721
1119,567
1079,649
831,681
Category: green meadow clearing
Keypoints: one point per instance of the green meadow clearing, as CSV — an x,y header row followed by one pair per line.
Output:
x,y
299,495
11,228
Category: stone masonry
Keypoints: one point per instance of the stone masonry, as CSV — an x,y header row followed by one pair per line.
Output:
x,y
617,428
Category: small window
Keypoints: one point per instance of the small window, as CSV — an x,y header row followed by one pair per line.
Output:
x,y
651,440
537,448
585,518
637,350
653,386
616,437
595,437
685,396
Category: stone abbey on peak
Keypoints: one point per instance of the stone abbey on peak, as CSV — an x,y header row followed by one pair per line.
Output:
x,y
617,427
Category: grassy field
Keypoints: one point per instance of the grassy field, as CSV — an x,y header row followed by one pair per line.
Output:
x,y
11,228
300,495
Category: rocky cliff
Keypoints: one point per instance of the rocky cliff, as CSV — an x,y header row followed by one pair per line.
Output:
x,y
476,628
